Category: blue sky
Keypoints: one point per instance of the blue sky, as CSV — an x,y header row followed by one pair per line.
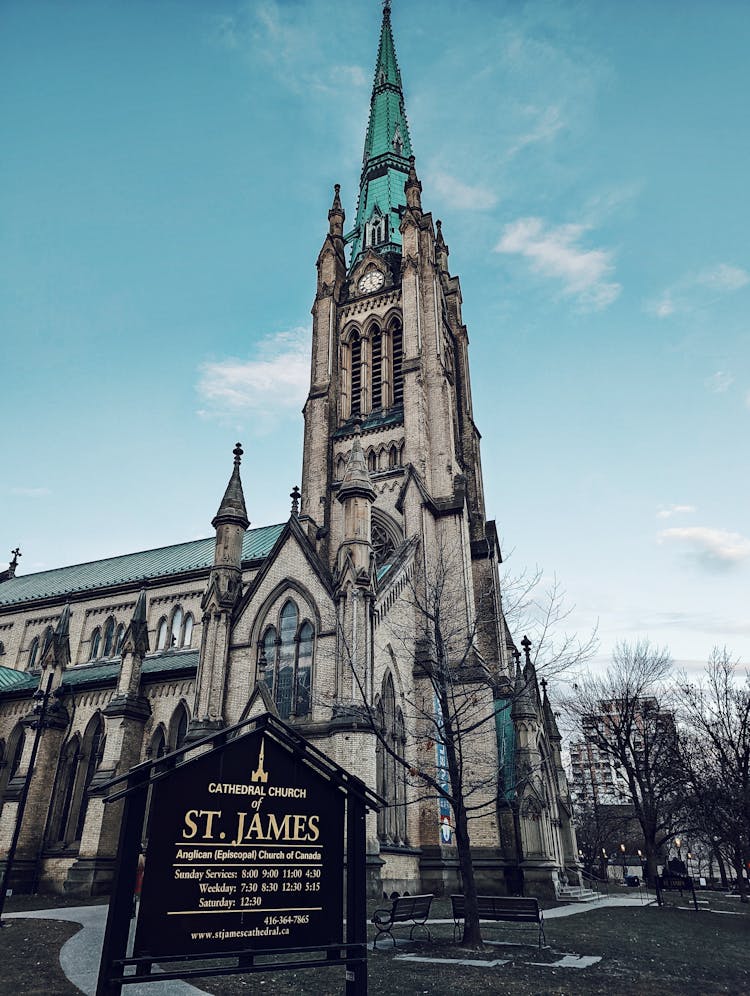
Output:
x,y
165,179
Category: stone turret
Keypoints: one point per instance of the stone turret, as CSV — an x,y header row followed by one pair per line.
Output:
x,y
124,718
357,495
223,592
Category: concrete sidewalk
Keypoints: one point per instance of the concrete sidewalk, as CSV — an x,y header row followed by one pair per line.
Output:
x,y
79,957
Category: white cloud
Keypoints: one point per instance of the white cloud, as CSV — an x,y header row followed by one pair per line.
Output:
x,y
664,307
461,196
711,548
690,291
30,492
555,252
276,381
547,124
667,511
719,382
724,277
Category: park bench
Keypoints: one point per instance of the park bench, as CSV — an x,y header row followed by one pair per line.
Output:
x,y
509,909
403,909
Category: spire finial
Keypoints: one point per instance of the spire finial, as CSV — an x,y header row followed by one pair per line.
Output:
x,y
543,683
15,554
526,644
336,214
386,8
238,451
295,496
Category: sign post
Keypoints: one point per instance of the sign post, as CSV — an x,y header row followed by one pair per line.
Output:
x,y
244,862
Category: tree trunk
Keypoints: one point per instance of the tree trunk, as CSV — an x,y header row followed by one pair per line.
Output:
x,y
472,937
722,869
739,869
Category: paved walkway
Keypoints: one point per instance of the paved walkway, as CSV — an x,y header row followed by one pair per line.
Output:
x,y
79,957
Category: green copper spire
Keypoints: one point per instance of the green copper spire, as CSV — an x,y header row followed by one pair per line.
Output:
x,y
385,165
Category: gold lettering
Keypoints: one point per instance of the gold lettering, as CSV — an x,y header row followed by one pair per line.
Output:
x,y
191,824
276,831
313,828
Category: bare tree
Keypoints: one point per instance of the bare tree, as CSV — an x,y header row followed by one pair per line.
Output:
x,y
716,757
625,716
453,708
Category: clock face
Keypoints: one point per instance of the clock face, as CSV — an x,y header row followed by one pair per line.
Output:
x,y
372,280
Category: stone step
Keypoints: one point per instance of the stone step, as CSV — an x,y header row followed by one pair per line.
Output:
x,y
577,894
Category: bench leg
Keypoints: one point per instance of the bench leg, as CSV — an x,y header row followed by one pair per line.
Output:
x,y
424,927
384,933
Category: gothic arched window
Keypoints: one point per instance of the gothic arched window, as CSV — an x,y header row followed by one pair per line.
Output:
x,y
158,744
391,783
386,536
62,801
355,350
119,637
109,637
96,639
161,634
397,346
176,627
33,651
10,759
376,352
91,758
187,632
178,727
285,658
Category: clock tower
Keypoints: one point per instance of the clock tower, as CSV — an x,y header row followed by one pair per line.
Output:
x,y
390,371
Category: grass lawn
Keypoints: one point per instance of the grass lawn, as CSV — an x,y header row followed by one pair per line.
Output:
x,y
644,950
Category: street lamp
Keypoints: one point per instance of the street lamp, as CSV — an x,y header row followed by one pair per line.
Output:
x,y
622,852
678,845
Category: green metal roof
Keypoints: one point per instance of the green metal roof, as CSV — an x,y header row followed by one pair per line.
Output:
x,y
387,148
182,558
101,673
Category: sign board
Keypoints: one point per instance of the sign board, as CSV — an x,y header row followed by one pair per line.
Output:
x,y
245,849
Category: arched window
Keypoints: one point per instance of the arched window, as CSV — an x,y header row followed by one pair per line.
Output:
x,y
33,652
372,462
355,349
398,142
109,637
91,758
376,349
158,745
178,727
393,456
285,658
304,669
62,802
187,633
390,773
10,759
397,346
176,627
96,639
161,634
119,637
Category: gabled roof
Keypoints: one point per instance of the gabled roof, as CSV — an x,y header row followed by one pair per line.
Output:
x,y
132,568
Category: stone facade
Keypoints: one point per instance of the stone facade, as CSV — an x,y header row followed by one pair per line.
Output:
x,y
328,611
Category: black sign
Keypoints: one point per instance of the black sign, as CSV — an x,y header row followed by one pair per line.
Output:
x,y
245,850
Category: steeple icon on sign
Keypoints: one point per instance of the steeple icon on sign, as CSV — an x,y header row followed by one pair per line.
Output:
x,y
260,774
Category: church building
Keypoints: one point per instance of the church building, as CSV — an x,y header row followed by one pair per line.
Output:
x,y
323,618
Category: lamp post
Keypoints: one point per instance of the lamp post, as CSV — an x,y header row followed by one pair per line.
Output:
x,y
40,709
622,852
678,845
605,876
